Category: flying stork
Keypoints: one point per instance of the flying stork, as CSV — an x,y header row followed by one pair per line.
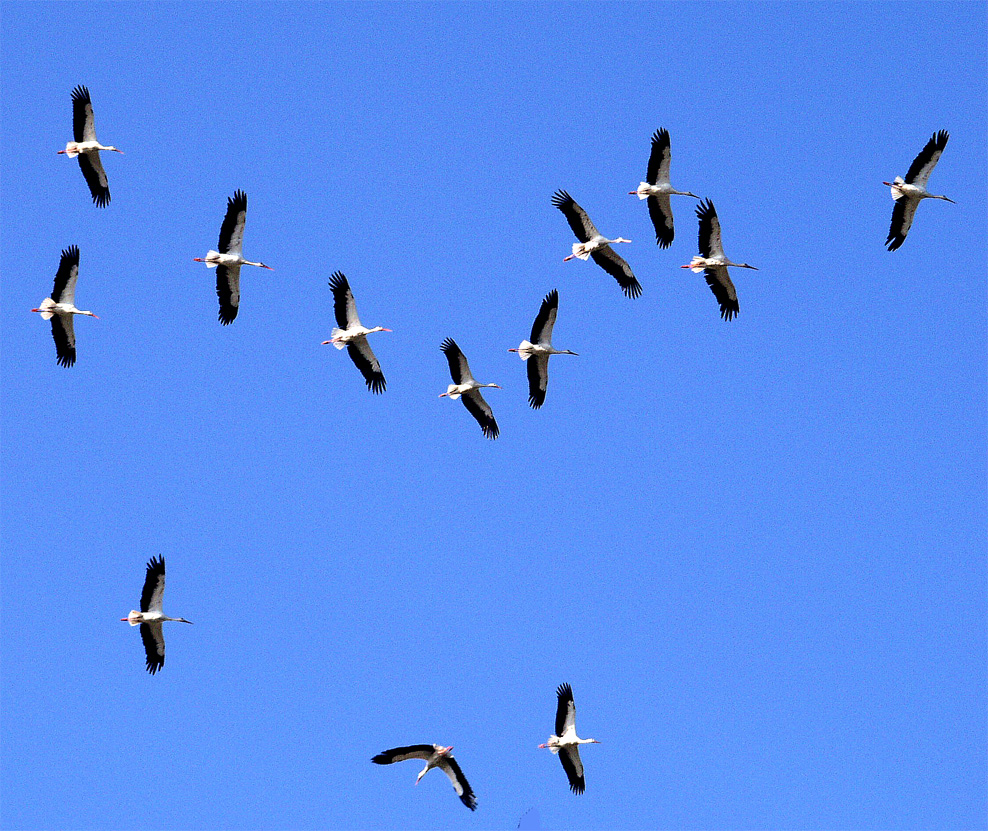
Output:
x,y
150,617
228,259
909,192
60,307
565,742
86,147
713,263
353,335
594,244
540,349
465,385
435,755
657,189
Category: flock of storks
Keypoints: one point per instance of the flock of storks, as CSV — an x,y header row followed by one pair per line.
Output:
x,y
352,335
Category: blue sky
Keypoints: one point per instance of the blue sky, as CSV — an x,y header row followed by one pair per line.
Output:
x,y
755,549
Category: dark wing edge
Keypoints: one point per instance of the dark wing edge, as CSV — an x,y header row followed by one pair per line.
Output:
x,y
63,333
80,101
475,404
341,288
98,185
569,757
400,754
234,206
364,359
468,797
536,373
615,265
661,216
155,571
728,304
228,292
564,699
660,146
155,656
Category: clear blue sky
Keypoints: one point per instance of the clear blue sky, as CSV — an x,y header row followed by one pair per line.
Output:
x,y
755,549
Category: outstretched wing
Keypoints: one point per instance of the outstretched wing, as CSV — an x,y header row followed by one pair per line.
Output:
x,y
65,278
344,306
154,646
63,333
363,357
709,235
459,369
481,410
232,229
400,754
658,160
154,585
615,265
83,123
575,216
545,319
460,784
903,212
538,379
565,709
720,284
660,211
570,758
92,170
923,164
228,292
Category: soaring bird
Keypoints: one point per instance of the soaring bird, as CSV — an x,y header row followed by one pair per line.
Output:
x,y
539,350
465,385
60,307
353,335
594,244
228,259
565,742
713,263
151,617
909,192
87,148
657,189
435,756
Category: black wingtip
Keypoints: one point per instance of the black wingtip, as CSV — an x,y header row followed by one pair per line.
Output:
x,y
564,691
238,200
338,280
660,136
447,345
71,255
561,198
705,208
81,93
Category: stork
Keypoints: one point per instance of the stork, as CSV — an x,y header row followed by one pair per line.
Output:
x,y
909,192
657,189
60,307
87,148
435,756
353,335
565,742
465,385
538,352
594,244
713,263
151,617
228,259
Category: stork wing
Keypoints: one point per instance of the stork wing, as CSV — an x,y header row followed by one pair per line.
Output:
x,y
228,291
83,125
720,284
709,238
63,331
232,229
570,758
575,216
154,646
401,754
481,410
365,360
902,219
460,784
545,319
565,710
538,379
660,211
154,585
923,164
615,265
344,305
658,161
66,276
92,170
459,369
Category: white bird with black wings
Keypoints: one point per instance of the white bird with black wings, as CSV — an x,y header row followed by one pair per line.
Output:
x,y
353,335
435,756
537,352
656,189
60,307
565,742
465,385
151,617
87,148
909,192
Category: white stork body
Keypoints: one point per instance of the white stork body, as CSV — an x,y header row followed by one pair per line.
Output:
x,y
538,351
151,617
565,742
594,244
909,192
228,259
435,756
60,307
657,189
713,263
465,385
353,335
87,148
